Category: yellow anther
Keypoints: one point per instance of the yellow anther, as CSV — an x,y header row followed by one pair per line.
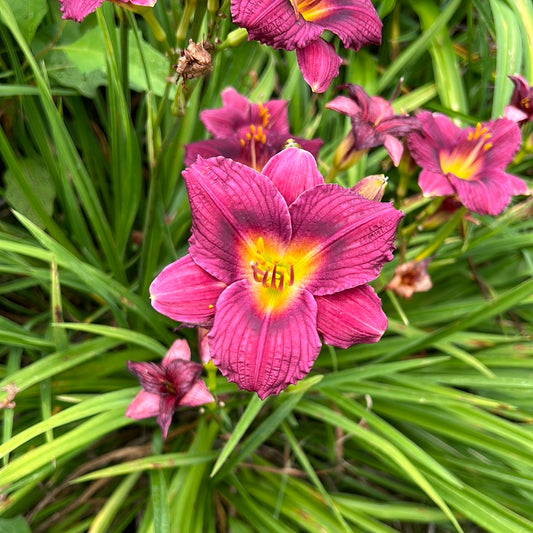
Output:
x,y
487,146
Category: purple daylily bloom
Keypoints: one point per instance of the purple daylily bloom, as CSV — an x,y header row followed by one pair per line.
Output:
x,y
175,382
374,123
278,258
246,132
520,109
78,9
298,25
468,162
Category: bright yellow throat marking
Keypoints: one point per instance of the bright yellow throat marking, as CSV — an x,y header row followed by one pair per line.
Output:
x,y
463,162
309,9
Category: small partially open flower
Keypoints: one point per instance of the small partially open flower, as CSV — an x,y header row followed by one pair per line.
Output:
x,y
468,162
520,109
246,132
298,25
411,277
78,9
374,123
175,382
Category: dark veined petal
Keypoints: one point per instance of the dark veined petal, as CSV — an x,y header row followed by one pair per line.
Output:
x,y
185,292
355,22
319,64
274,22
150,375
78,9
167,406
344,239
293,171
232,206
351,317
264,349
182,375
487,196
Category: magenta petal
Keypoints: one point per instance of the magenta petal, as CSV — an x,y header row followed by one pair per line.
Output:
x,y
516,185
349,238
197,395
394,148
144,405
351,317
78,9
167,405
354,21
345,105
319,64
514,113
505,139
488,196
434,184
274,22
293,171
232,206
186,293
179,350
263,351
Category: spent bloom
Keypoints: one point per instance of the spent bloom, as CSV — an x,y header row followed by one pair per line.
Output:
x,y
468,162
78,9
246,132
175,382
411,277
520,108
298,25
374,123
276,259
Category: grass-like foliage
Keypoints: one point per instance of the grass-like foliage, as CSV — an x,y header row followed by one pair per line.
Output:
x,y
429,429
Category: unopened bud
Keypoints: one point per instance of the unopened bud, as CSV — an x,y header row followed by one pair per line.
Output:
x,y
346,155
371,187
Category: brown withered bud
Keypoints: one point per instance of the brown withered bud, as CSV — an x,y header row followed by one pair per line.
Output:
x,y
411,277
195,60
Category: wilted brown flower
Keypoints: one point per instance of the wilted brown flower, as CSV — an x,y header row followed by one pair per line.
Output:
x,y
195,60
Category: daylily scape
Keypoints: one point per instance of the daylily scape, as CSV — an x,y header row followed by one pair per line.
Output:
x,y
277,260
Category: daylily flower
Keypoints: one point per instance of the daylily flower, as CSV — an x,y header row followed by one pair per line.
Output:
x,y
411,277
174,383
78,9
520,109
468,162
374,123
246,132
267,274
298,25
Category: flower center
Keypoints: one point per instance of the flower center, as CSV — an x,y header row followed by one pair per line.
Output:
x,y
271,271
309,9
464,160
252,144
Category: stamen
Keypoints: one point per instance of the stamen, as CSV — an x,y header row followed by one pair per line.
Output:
x,y
291,279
